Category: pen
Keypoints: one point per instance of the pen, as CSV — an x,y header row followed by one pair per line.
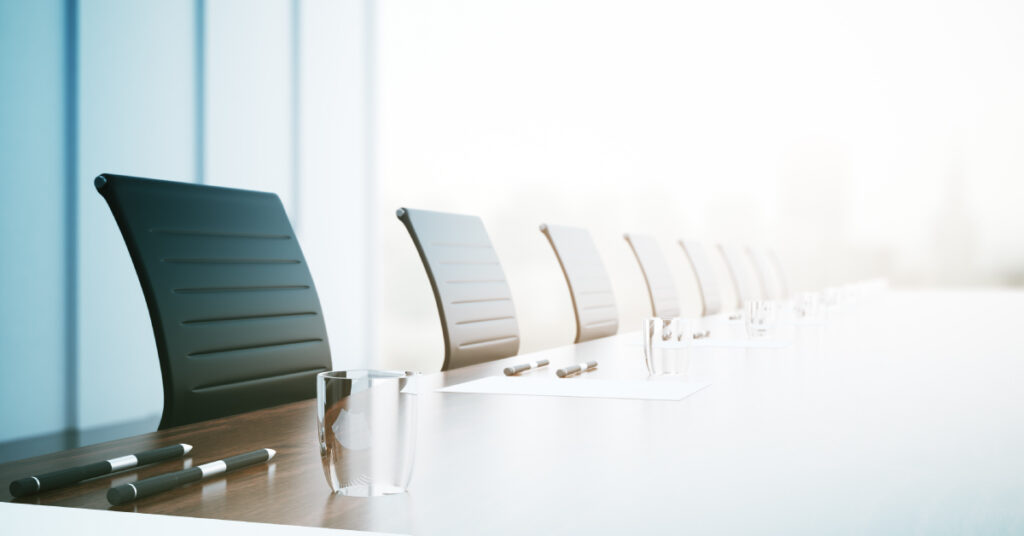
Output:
x,y
579,367
151,486
64,477
512,371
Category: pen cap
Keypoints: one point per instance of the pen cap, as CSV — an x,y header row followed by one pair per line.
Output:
x,y
23,487
509,371
563,372
120,494
160,454
249,458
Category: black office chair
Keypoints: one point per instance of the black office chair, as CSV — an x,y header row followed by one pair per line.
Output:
x,y
236,317
474,302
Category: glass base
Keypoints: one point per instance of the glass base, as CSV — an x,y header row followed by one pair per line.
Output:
x,y
364,490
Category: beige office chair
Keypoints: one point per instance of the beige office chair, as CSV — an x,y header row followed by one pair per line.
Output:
x,y
735,260
710,291
780,274
589,285
660,287
766,274
478,318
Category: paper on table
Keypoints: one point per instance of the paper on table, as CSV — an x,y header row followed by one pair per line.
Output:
x,y
809,322
579,387
721,343
737,343
36,519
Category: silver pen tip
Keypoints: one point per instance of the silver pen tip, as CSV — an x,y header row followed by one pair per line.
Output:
x,y
187,448
270,454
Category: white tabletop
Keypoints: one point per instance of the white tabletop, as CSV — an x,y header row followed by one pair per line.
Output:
x,y
902,415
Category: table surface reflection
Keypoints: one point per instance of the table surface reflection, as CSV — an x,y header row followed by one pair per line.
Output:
x,y
903,413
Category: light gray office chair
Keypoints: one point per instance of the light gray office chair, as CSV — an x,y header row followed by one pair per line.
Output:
x,y
710,291
736,261
780,274
478,319
660,287
589,285
766,273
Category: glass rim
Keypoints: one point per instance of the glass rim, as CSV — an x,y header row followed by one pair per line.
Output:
x,y
359,374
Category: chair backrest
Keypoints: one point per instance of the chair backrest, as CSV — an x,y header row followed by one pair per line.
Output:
x,y
478,318
710,291
739,272
660,287
589,285
780,274
766,273
236,317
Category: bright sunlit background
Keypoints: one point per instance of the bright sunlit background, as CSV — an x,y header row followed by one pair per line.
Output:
x,y
858,139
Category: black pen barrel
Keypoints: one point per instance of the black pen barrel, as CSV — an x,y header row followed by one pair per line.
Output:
x,y
57,479
72,475
161,454
151,486
511,371
249,458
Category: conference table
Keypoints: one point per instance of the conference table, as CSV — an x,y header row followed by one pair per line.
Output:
x,y
902,413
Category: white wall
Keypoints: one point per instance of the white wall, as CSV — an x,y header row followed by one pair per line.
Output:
x,y
335,186
248,98
135,102
33,176
865,138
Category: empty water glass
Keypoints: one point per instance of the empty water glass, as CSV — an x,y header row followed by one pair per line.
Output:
x,y
366,420
831,298
760,317
680,330
662,352
807,305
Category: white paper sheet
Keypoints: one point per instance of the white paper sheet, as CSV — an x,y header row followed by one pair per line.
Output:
x,y
736,343
579,387
36,519
721,343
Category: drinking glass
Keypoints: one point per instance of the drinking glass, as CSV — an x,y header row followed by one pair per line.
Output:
x,y
831,298
807,306
662,352
366,421
760,317
680,330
